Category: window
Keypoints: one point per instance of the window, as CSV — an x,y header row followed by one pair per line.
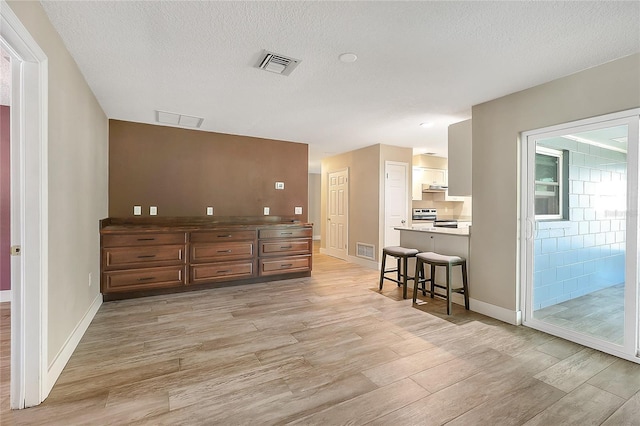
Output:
x,y
550,184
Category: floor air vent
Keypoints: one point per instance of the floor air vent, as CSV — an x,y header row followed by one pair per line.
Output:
x,y
279,64
366,251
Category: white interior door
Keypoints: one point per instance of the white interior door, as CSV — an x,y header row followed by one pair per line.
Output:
x,y
338,213
580,232
396,203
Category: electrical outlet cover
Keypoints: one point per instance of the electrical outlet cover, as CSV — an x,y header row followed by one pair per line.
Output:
x,y
137,210
279,185
298,210
266,211
153,211
209,211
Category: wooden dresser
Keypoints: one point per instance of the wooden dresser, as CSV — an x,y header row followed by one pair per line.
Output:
x,y
146,256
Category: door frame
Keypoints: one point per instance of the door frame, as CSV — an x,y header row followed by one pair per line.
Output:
x,y
631,348
29,207
340,254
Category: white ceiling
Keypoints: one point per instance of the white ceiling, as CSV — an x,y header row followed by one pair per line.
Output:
x,y
417,61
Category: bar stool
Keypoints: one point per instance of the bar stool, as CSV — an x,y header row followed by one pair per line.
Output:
x,y
402,256
433,260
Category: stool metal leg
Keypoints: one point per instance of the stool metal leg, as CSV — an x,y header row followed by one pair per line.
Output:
x,y
419,266
465,285
433,279
384,259
398,270
448,290
405,265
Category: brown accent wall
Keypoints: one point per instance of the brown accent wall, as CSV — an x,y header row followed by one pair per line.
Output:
x,y
183,171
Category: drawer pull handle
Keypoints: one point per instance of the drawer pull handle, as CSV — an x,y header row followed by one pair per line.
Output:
x,y
286,233
225,236
286,265
146,239
224,251
286,247
146,278
224,272
146,256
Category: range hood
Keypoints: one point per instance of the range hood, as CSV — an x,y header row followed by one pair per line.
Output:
x,y
433,188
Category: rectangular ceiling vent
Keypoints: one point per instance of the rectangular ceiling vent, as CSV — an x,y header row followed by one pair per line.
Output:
x,y
279,64
175,119
366,251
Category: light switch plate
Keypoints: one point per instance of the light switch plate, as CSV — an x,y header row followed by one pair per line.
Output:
x,y
279,185
266,211
209,211
297,210
153,211
137,210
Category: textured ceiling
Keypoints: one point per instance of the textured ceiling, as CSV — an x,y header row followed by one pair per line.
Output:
x,y
417,62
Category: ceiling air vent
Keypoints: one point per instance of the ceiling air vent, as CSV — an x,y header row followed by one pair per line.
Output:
x,y
178,119
279,64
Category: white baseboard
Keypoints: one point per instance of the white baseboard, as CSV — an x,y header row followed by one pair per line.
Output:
x,y
497,312
5,296
371,264
61,359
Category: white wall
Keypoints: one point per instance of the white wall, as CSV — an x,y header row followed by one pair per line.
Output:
x,y
78,187
614,86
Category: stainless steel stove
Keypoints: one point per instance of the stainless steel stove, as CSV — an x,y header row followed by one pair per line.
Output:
x,y
424,214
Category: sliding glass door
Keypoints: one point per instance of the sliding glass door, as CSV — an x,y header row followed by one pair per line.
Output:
x,y
580,232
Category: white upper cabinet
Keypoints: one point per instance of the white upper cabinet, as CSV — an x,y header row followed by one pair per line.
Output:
x,y
460,159
416,183
428,170
426,176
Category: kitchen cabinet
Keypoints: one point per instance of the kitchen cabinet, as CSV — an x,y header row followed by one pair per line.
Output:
x,y
221,255
460,158
426,176
440,195
140,261
284,250
455,198
148,256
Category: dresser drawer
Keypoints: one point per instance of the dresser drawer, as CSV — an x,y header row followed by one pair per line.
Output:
x,y
222,236
285,265
286,233
139,257
222,271
202,252
141,279
115,240
280,247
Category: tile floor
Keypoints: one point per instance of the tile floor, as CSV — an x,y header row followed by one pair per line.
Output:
x,y
326,350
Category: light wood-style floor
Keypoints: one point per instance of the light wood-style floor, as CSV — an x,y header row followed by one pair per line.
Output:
x,y
599,314
326,350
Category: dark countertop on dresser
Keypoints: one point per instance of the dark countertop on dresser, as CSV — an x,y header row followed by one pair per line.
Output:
x,y
146,224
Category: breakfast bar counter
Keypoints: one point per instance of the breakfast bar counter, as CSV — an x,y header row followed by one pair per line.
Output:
x,y
447,241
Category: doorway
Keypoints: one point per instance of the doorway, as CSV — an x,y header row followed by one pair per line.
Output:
x,y
396,200
338,214
580,232
29,221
